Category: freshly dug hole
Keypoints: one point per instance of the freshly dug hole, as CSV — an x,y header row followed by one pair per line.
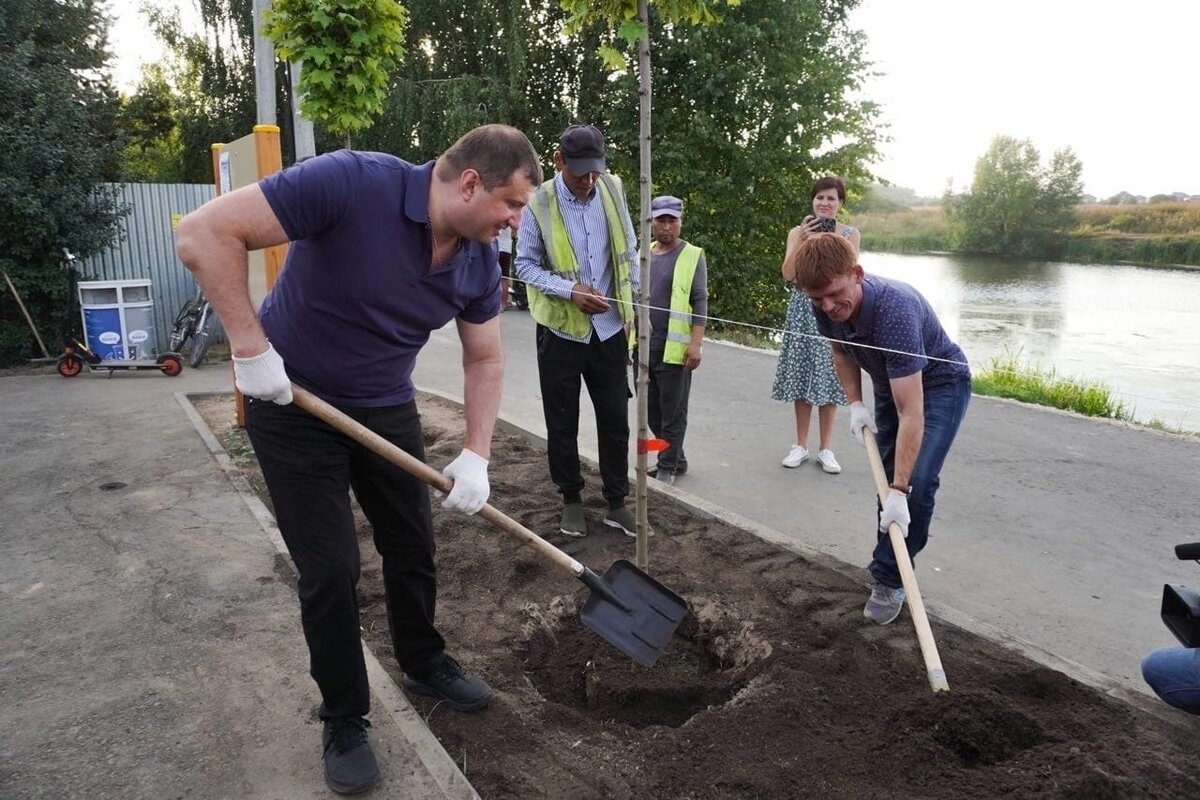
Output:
x,y
705,665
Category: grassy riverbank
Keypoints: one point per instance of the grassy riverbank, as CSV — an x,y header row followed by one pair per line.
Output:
x,y
1157,233
1007,377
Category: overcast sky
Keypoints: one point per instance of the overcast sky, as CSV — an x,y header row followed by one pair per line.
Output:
x,y
1114,81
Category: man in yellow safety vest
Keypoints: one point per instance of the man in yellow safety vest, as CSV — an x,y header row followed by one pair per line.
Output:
x,y
678,311
576,254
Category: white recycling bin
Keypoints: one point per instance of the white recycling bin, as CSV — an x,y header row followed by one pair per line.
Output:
x,y
118,319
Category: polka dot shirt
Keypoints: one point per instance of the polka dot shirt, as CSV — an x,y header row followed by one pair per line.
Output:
x,y
895,316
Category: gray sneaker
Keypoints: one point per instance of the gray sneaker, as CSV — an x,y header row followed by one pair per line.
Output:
x,y
573,522
623,518
884,604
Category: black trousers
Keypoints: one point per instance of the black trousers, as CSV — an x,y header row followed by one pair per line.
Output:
x,y
310,469
669,388
603,367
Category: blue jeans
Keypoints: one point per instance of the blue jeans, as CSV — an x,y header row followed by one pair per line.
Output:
x,y
1174,675
945,407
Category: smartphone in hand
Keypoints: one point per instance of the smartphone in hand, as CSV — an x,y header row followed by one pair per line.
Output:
x,y
827,225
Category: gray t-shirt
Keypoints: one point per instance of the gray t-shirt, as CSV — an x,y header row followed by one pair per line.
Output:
x,y
662,275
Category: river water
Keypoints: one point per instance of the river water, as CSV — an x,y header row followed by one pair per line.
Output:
x,y
1137,329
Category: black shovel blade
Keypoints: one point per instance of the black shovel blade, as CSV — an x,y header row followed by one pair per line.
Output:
x,y
634,612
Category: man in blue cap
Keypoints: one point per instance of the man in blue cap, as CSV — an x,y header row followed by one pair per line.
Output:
x,y
678,308
576,255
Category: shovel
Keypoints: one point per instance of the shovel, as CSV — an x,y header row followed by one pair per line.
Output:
x,y
933,661
634,612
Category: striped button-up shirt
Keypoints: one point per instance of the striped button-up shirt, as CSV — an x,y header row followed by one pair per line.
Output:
x,y
587,229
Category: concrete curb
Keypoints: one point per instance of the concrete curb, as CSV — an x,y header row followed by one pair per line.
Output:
x,y
389,704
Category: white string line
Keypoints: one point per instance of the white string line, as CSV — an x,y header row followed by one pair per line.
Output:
x,y
967,364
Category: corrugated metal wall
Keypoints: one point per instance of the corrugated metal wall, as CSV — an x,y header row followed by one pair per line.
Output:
x,y
147,247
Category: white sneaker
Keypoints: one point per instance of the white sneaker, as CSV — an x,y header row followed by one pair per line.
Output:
x,y
828,462
796,457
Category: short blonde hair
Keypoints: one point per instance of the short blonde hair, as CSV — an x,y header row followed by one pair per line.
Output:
x,y
821,258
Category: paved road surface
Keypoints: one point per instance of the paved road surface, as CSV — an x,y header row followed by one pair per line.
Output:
x,y
151,634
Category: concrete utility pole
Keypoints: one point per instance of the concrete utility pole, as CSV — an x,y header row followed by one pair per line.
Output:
x,y
264,67
305,142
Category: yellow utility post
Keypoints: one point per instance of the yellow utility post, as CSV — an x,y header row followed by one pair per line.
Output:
x,y
239,163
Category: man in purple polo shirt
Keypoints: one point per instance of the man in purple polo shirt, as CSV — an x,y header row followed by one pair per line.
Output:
x,y
382,253
922,386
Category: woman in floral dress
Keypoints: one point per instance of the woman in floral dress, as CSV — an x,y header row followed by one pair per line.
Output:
x,y
805,376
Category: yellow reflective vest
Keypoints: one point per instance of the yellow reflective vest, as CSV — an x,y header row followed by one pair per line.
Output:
x,y
561,314
679,322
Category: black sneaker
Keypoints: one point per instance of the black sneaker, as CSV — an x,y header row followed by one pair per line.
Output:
x,y
350,765
451,684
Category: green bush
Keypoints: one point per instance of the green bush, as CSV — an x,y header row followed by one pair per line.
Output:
x,y
16,345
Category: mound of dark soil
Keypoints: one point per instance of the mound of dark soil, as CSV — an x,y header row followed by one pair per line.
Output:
x,y
775,686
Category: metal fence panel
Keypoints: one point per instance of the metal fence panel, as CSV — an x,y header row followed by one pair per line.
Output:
x,y
146,248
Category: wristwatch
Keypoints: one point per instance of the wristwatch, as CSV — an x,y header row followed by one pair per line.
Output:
x,y
904,490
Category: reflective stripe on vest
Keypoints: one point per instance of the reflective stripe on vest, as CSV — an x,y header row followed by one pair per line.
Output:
x,y
561,314
679,321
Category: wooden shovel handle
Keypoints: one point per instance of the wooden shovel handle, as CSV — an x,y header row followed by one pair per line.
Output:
x,y
419,469
933,661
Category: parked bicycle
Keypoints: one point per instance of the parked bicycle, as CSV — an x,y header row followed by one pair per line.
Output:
x,y
193,322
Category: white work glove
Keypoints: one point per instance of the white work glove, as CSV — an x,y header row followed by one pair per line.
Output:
x,y
471,490
263,376
895,509
861,418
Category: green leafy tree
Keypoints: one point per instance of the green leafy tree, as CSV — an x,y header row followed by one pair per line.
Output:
x,y
210,73
747,114
1016,206
153,150
62,141
347,49
481,61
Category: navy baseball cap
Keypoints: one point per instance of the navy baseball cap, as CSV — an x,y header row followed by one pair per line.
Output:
x,y
582,147
666,206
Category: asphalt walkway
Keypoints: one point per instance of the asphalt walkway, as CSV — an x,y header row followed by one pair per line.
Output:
x,y
152,641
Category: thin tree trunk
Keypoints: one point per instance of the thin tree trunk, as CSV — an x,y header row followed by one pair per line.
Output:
x,y
643,310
